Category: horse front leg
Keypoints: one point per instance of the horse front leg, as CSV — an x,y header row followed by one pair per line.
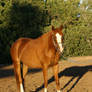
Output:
x,y
45,78
55,70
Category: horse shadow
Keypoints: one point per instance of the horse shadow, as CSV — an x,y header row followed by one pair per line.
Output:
x,y
7,71
74,72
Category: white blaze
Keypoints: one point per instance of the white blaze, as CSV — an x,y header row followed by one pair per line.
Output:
x,y
58,91
58,38
21,88
45,89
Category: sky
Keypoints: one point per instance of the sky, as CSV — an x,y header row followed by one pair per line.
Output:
x,y
81,1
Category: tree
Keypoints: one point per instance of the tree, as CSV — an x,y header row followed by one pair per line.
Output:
x,y
19,19
32,18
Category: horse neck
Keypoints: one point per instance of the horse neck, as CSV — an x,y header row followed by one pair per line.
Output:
x,y
49,40
49,45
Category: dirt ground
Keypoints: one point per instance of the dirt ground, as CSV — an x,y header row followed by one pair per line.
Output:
x,y
75,75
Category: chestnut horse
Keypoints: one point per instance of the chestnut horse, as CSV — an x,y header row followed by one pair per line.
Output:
x,y
42,52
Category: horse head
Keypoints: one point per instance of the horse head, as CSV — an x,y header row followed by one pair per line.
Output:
x,y
57,37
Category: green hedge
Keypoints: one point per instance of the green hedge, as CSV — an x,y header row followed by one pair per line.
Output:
x,y
20,19
32,18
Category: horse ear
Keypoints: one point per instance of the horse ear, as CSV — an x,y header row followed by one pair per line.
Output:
x,y
53,28
61,27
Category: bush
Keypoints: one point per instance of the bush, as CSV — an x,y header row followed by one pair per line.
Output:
x,y
20,19
32,18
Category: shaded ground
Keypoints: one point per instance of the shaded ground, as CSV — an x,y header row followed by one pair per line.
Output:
x,y
74,77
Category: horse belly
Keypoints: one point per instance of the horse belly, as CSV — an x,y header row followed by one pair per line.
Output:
x,y
31,60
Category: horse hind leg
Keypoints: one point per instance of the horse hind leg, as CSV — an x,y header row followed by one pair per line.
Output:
x,y
24,72
17,70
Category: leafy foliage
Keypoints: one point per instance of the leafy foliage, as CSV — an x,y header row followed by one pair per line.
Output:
x,y
19,19
32,18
